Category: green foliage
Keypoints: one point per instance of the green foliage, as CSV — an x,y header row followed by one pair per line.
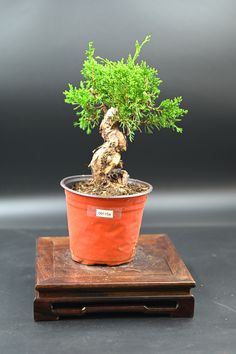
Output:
x,y
131,87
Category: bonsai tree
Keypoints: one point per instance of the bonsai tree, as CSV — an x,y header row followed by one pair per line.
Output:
x,y
122,98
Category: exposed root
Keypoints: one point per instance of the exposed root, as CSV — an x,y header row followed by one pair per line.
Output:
x,y
106,164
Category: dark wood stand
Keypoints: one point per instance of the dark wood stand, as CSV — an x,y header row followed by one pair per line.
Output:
x,y
156,282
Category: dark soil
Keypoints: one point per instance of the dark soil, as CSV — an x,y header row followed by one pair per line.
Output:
x,y
108,189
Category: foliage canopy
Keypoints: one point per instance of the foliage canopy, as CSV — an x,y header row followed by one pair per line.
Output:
x,y
129,86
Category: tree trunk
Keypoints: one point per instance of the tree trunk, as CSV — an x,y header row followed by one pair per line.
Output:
x,y
106,164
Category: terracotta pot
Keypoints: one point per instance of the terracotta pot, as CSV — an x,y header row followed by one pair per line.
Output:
x,y
103,230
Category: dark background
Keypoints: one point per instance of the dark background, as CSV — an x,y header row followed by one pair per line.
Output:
x,y
42,45
42,49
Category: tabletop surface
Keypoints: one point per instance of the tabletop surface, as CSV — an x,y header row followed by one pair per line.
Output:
x,y
210,255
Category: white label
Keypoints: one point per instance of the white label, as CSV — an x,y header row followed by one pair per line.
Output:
x,y
93,211
104,213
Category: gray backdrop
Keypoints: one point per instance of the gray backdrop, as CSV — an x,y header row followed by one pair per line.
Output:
x,y
42,48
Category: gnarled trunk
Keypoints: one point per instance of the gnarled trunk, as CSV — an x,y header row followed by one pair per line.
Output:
x,y
106,164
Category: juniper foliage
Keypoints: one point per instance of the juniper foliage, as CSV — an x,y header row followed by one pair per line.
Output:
x,y
129,86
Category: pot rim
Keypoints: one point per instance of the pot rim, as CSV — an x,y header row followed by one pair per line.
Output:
x,y
72,179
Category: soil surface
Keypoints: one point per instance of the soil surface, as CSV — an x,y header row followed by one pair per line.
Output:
x,y
108,189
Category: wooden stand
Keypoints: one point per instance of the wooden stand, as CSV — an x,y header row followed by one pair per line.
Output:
x,y
156,282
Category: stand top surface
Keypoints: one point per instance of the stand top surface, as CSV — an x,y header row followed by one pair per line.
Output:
x,y
156,264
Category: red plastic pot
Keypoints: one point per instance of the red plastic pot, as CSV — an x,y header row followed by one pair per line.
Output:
x,y
103,230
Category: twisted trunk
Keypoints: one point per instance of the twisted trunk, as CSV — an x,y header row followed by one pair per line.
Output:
x,y
106,164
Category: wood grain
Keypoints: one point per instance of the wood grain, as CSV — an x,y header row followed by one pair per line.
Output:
x,y
156,282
